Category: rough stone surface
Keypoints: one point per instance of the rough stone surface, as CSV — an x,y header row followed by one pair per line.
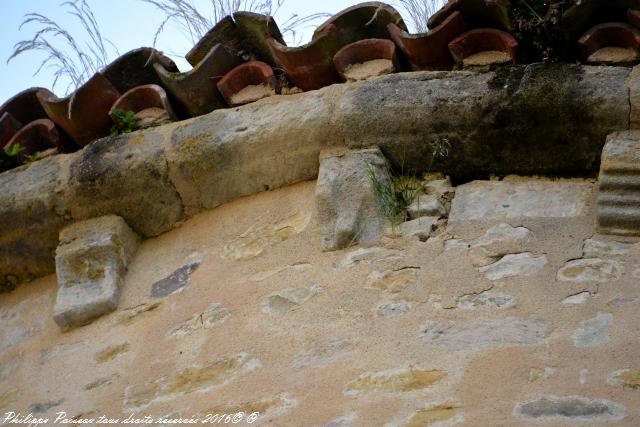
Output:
x,y
500,332
524,264
493,120
213,315
191,379
231,153
394,308
31,214
266,407
619,181
370,256
259,237
593,332
426,205
595,248
125,176
497,354
392,281
290,299
498,241
485,299
629,378
157,177
633,82
570,408
504,200
175,282
420,227
398,380
348,208
590,270
579,298
431,416
91,261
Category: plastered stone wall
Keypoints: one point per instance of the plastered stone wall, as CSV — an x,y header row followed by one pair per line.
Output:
x,y
513,316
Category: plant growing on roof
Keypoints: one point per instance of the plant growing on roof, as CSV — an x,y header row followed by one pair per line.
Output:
x,y
8,156
195,22
68,58
419,12
125,121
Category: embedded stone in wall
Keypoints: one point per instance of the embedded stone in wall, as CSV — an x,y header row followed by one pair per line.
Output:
x,y
392,281
175,282
343,421
536,374
420,227
593,332
579,298
397,380
191,379
485,299
43,407
524,264
430,416
393,308
619,180
324,353
205,320
100,382
590,270
349,211
500,240
575,408
629,378
502,200
91,261
289,299
130,315
624,301
426,205
487,333
371,256
595,248
259,237
59,350
111,352
7,399
266,407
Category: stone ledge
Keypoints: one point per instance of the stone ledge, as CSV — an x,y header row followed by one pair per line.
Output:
x,y
533,119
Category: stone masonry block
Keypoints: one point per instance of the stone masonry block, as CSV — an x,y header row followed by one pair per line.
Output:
x,y
618,203
348,208
91,261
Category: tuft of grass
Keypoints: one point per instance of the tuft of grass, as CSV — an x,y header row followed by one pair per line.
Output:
x,y
194,22
63,52
397,192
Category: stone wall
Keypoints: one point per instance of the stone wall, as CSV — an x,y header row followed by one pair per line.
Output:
x,y
531,119
509,315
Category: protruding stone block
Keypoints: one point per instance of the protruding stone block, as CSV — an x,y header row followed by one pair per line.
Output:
x,y
618,206
348,209
91,261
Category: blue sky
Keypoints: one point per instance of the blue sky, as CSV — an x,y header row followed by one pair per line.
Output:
x,y
127,23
